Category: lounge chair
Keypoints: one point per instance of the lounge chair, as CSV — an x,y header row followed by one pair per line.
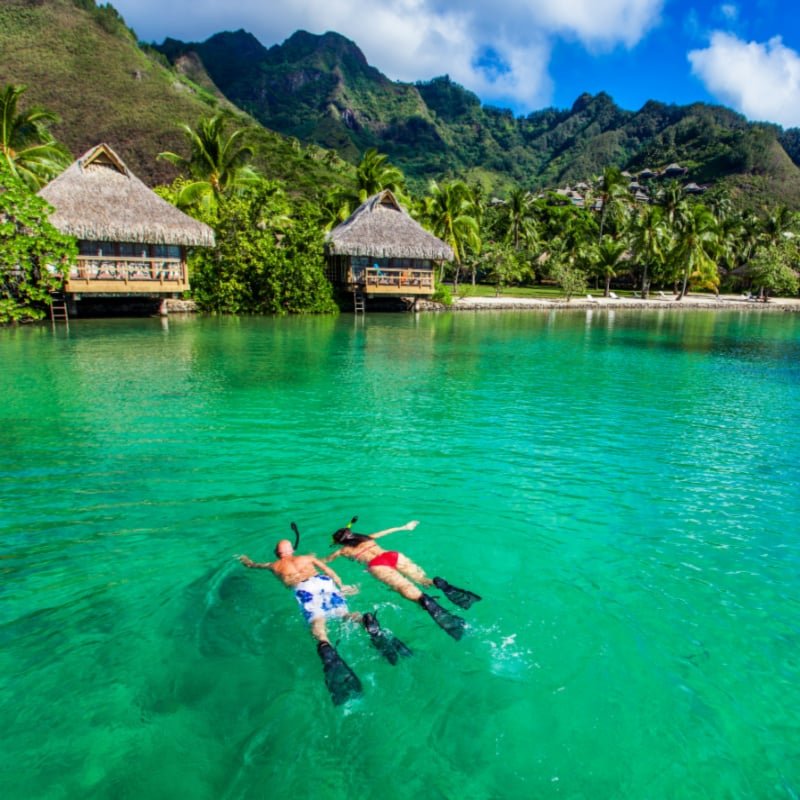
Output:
x,y
613,296
592,299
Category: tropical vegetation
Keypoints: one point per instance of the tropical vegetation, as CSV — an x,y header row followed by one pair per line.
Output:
x,y
268,259
269,256
476,177
27,148
33,254
218,162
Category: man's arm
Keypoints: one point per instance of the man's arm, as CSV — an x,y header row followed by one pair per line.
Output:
x,y
334,577
248,562
409,526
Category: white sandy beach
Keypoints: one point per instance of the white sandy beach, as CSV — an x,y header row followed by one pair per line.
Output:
x,y
655,301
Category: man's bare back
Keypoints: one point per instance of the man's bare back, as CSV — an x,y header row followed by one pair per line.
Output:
x,y
295,569
292,570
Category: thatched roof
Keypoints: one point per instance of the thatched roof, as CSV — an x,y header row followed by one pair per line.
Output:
x,y
381,228
98,198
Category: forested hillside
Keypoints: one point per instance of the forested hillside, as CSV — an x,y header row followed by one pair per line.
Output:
x,y
82,62
320,106
321,89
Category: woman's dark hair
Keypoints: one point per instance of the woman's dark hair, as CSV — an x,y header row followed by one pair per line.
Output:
x,y
349,539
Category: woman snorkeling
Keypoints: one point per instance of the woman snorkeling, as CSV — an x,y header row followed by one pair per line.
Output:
x,y
401,574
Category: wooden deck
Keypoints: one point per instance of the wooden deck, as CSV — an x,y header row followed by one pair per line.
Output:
x,y
129,275
379,281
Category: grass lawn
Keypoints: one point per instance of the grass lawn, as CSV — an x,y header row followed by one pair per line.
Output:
x,y
548,292
540,292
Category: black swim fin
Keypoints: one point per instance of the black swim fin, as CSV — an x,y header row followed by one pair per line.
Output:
x,y
448,622
390,647
461,597
342,682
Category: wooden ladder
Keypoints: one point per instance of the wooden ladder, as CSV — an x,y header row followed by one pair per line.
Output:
x,y
359,303
58,307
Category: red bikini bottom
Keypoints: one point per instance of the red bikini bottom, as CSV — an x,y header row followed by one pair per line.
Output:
x,y
385,559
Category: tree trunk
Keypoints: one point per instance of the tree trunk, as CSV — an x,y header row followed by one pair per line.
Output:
x,y
682,293
645,283
608,286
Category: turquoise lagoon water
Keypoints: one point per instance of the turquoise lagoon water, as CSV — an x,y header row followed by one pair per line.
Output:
x,y
622,489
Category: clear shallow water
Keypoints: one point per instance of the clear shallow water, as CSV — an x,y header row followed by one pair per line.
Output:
x,y
621,489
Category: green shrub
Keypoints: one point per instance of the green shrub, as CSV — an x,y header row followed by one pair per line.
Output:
x,y
443,295
32,252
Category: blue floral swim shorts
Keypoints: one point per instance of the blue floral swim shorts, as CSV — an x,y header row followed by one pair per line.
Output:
x,y
319,597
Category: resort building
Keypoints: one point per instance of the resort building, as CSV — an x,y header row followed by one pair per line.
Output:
x,y
674,171
380,251
131,242
693,188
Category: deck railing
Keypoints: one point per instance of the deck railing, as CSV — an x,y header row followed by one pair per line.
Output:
x,y
378,279
127,268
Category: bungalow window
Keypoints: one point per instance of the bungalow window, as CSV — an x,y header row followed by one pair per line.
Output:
x,y
132,250
166,251
87,248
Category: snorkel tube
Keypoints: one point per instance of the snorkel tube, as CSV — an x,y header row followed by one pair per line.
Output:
x,y
296,535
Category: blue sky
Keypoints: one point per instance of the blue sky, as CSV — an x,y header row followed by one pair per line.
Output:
x,y
528,54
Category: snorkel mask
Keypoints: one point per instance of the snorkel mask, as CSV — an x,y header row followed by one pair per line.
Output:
x,y
346,536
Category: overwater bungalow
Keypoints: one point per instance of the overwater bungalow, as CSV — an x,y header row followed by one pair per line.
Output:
x,y
380,251
131,242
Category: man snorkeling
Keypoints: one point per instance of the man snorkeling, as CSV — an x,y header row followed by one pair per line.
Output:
x,y
396,571
321,597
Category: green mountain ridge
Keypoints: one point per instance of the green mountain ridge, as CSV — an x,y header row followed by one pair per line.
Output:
x,y
313,98
81,61
320,88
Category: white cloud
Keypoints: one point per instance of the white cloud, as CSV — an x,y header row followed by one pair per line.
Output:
x,y
729,11
760,80
605,24
419,39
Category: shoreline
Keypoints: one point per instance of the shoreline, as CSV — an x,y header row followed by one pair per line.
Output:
x,y
668,303
507,303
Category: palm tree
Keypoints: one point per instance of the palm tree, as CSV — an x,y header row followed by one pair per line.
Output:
x,y
696,247
374,174
648,239
672,199
612,192
608,255
778,222
519,219
451,214
216,164
732,235
28,149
